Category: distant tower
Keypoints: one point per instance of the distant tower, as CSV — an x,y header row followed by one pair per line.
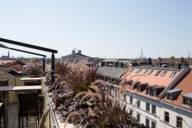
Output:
x,y
141,53
8,55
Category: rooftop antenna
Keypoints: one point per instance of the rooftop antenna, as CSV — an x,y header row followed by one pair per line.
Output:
x,y
189,55
75,49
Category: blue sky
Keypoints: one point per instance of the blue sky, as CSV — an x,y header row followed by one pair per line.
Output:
x,y
104,28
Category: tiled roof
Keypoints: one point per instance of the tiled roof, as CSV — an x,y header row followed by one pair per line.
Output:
x,y
186,86
163,80
152,76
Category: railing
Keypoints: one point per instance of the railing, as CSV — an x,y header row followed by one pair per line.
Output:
x,y
51,121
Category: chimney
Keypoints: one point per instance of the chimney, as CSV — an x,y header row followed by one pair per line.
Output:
x,y
73,52
79,52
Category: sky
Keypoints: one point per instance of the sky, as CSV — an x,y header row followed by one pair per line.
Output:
x,y
100,28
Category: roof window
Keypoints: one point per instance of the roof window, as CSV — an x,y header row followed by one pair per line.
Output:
x,y
138,70
157,73
150,72
172,74
145,71
163,73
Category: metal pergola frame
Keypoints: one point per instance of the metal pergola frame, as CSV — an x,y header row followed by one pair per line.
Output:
x,y
33,53
52,51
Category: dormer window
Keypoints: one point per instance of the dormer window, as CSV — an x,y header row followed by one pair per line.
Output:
x,y
141,87
135,85
154,90
187,99
173,94
130,82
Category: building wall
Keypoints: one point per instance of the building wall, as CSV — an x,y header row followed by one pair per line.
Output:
x,y
161,107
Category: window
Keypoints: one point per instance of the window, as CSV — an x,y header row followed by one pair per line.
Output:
x,y
187,101
115,93
102,64
147,107
138,104
150,72
179,122
4,82
125,97
153,124
154,109
138,116
151,91
121,65
167,117
131,100
169,97
154,91
147,122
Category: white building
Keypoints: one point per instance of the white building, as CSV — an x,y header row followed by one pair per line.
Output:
x,y
157,97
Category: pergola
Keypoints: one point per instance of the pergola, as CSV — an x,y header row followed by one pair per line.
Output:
x,y
33,53
52,51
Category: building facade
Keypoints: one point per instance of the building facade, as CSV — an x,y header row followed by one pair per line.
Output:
x,y
157,97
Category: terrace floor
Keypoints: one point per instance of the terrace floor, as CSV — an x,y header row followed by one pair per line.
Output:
x,y
13,118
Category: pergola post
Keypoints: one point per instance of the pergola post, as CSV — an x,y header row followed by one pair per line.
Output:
x,y
52,67
44,64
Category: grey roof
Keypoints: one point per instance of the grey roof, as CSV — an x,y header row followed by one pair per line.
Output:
x,y
188,95
77,57
112,72
175,90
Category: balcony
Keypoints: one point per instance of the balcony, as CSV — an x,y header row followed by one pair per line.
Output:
x,y
11,106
